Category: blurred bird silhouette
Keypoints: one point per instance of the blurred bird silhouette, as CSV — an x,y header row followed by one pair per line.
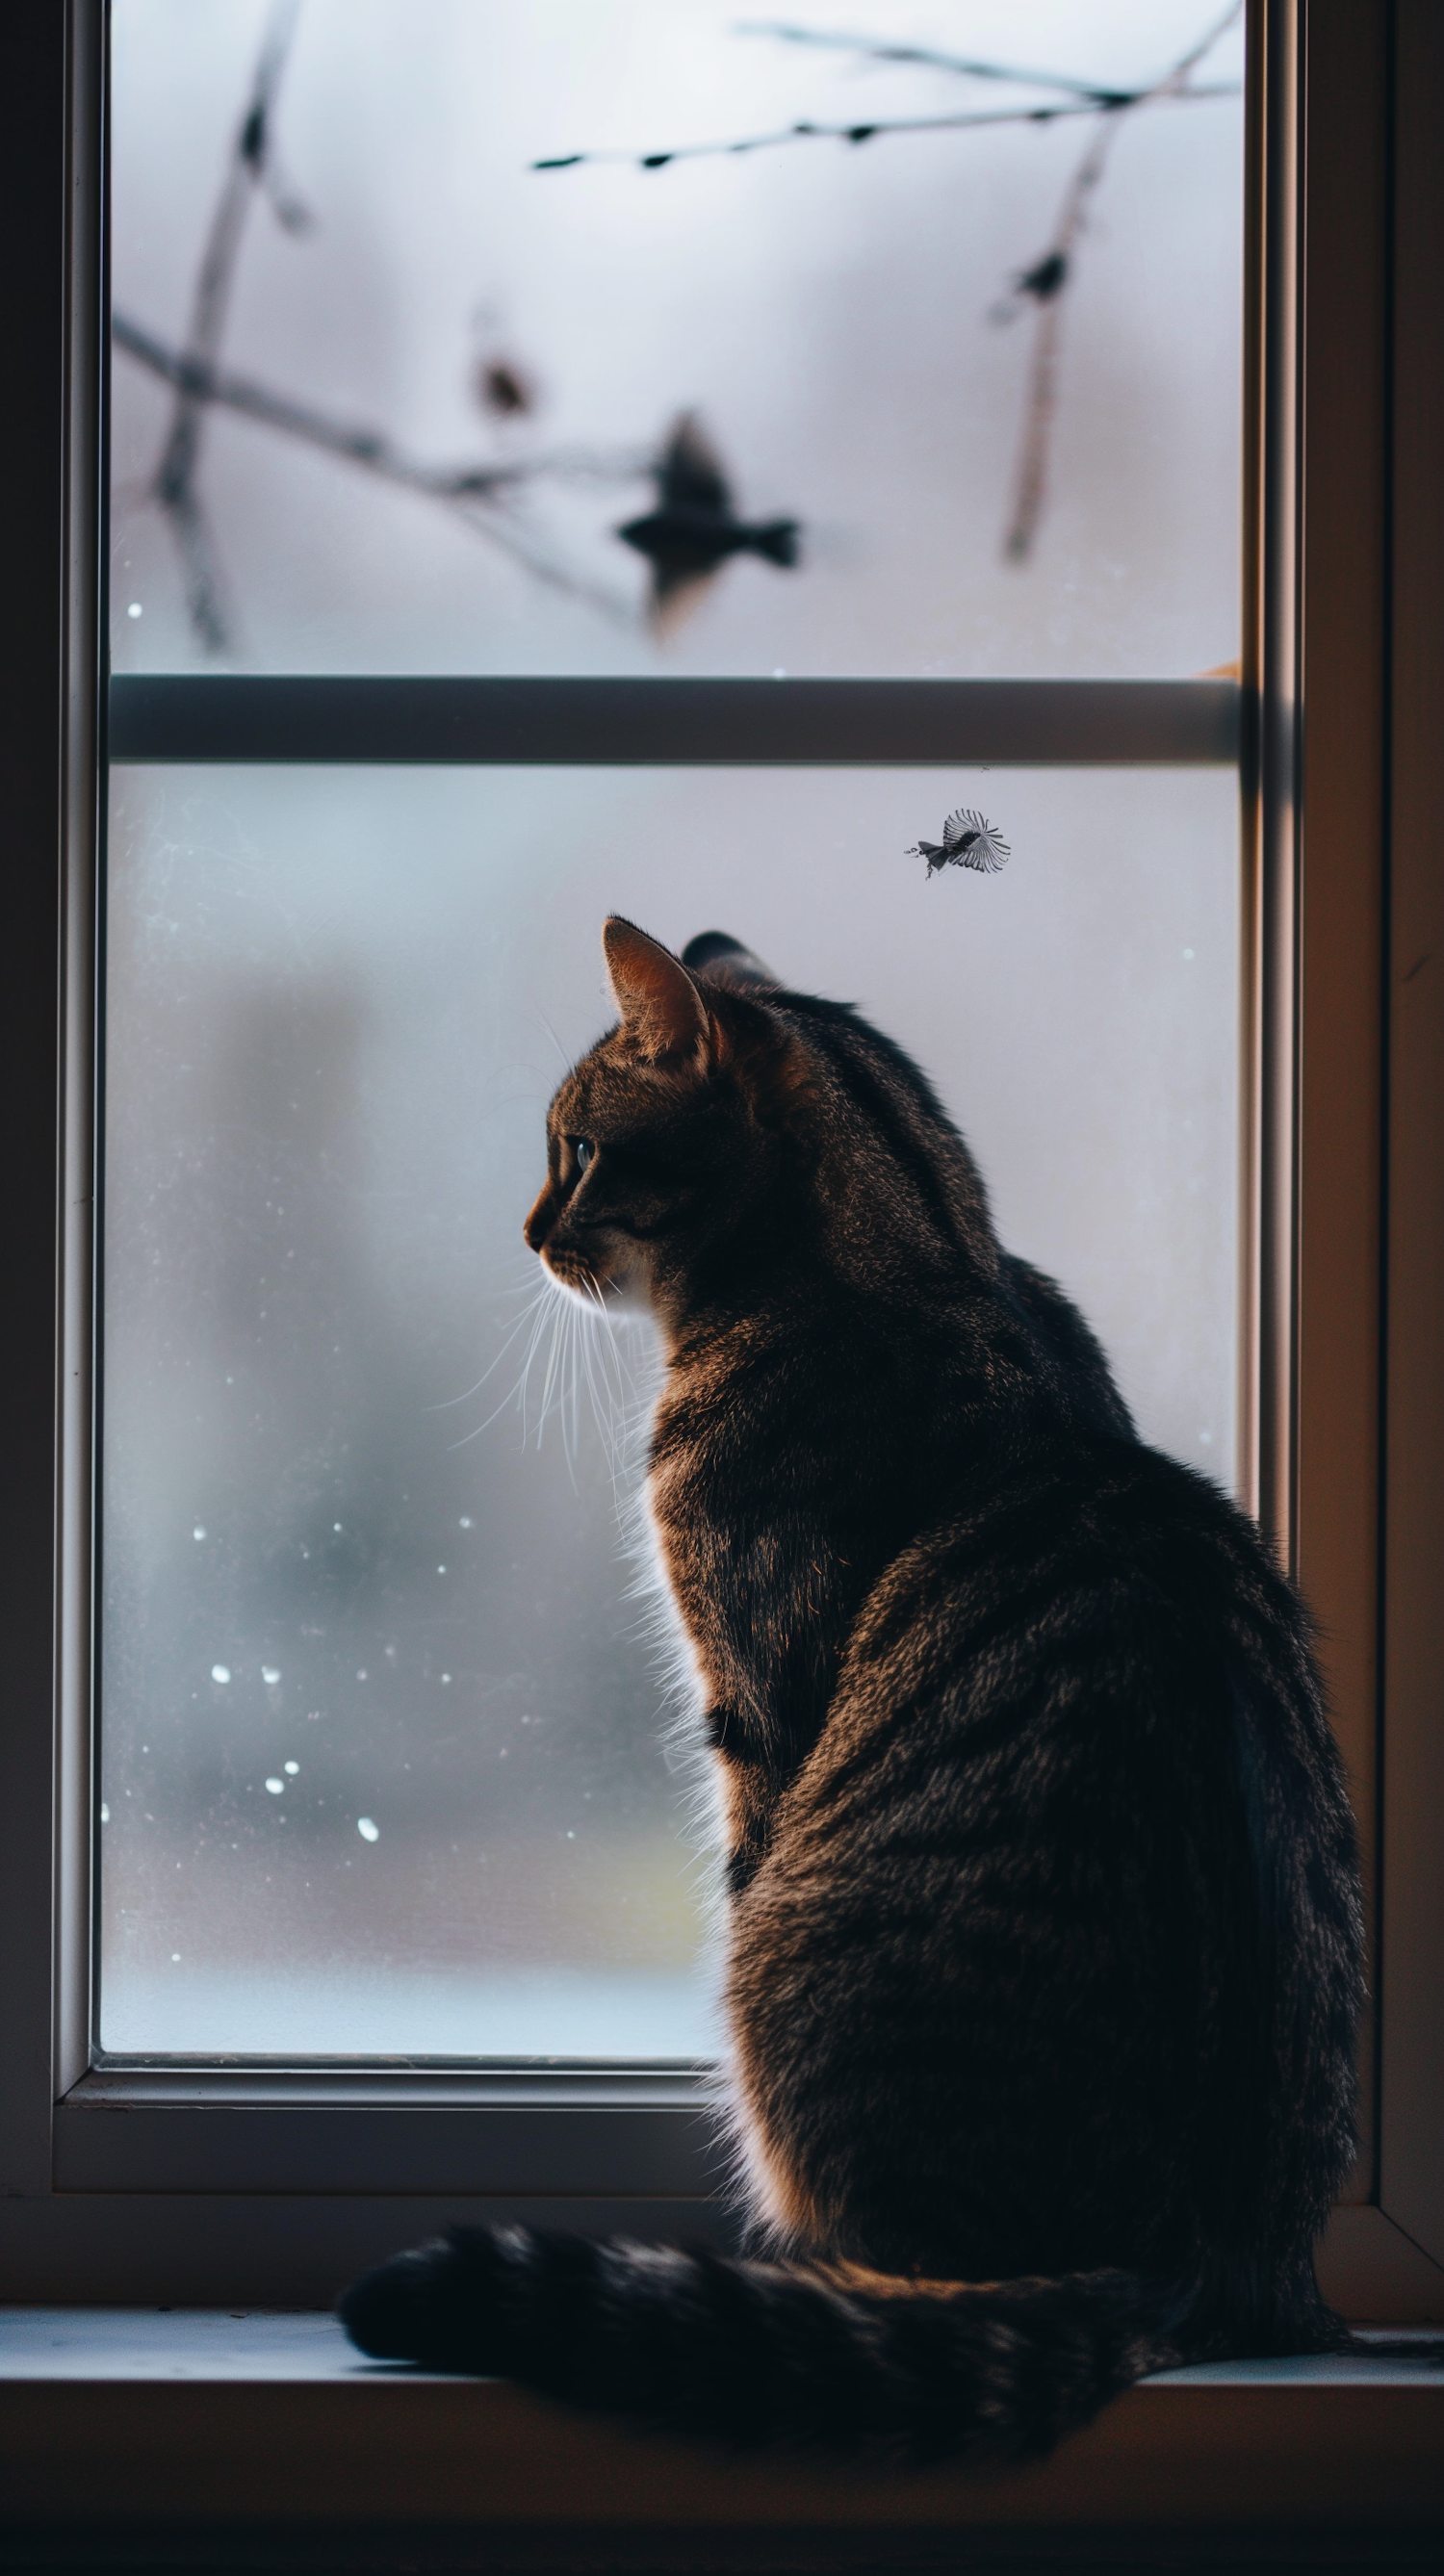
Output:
x,y
504,389
694,527
968,842
1040,284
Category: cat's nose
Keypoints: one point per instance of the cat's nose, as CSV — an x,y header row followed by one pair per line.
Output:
x,y
538,1225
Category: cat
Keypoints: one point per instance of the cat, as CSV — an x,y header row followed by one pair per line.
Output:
x,y
1044,1932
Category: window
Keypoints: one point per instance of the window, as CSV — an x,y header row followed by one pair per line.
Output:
x,y
334,690
386,1765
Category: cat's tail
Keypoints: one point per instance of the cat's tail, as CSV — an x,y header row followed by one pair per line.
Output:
x,y
756,2353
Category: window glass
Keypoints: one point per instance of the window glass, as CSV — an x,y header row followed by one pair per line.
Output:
x,y
387,1762
385,392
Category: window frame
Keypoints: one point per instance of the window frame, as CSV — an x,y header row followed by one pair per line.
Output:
x,y
212,2184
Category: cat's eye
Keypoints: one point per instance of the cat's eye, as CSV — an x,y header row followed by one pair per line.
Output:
x,y
582,1149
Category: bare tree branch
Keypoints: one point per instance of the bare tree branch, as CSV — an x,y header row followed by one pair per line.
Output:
x,y
206,600
485,495
482,496
466,489
202,383
175,474
875,50
1048,280
814,132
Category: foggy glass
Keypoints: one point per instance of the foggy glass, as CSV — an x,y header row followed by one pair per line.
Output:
x,y
388,1762
844,321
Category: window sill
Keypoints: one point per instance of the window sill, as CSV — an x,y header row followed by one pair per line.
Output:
x,y
197,2417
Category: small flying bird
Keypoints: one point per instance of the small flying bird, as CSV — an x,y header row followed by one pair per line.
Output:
x,y
694,527
968,842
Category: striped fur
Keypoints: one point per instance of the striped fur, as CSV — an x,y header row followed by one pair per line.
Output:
x,y
1044,1931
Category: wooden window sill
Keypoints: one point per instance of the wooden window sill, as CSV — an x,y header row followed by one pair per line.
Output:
x,y
195,2417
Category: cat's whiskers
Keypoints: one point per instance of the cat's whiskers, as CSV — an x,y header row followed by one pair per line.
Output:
x,y
570,1327
558,1303
610,1382
568,1406
594,1361
535,1317
448,1402
561,1382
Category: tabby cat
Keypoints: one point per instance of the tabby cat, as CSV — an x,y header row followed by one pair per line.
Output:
x,y
1043,1917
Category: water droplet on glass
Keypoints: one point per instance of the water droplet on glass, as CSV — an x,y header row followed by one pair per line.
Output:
x,y
276,1787
199,1531
271,1673
1206,1436
361,1676
175,1958
446,1677
220,1672
368,1832
104,1813
1188,952
465,1521
336,1527
571,1837
441,1569
134,609
290,1769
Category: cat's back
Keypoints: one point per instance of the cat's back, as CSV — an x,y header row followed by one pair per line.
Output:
x,y
1008,1895
1094,1608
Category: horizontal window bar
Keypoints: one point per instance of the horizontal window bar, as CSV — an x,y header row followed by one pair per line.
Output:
x,y
787,723
209,2086
610,2139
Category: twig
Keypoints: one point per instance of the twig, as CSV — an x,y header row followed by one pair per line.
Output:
x,y
876,51
1047,281
475,493
206,600
814,132
1050,277
176,472
372,448
482,496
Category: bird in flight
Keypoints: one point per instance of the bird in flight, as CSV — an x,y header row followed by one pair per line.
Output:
x,y
968,842
694,527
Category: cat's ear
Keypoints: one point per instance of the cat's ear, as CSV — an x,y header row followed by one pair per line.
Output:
x,y
725,959
659,1003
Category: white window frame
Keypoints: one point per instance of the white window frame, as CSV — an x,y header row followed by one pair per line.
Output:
x,y
210,2183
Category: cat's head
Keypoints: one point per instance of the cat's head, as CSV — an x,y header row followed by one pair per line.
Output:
x,y
730,1131
676,1127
